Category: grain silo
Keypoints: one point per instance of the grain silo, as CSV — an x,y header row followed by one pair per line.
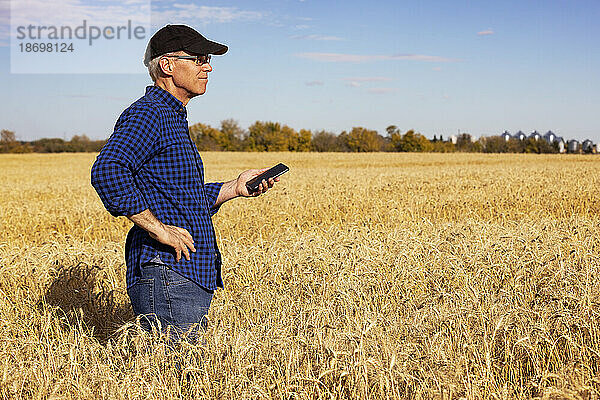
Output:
x,y
520,136
587,146
573,146
506,136
535,135
550,137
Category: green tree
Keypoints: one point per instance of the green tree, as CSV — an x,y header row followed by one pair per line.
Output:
x,y
361,139
410,142
442,147
495,144
391,130
7,136
326,141
465,143
78,144
272,136
538,146
304,140
9,143
208,138
292,138
266,136
234,135
49,145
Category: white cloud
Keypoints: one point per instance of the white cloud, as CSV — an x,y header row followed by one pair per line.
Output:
x,y
301,26
4,9
360,58
421,57
368,79
314,83
383,90
4,22
113,12
335,57
72,13
485,33
193,13
317,37
359,80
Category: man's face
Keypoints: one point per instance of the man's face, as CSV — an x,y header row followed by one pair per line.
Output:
x,y
188,76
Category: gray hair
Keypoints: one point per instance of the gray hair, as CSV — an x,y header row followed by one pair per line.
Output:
x,y
154,68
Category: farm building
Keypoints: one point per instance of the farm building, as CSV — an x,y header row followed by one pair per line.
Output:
x,y
535,135
561,144
520,136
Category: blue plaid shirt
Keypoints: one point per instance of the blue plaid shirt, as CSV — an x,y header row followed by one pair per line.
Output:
x,y
150,162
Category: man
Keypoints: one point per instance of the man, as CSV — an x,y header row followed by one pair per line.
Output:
x,y
150,171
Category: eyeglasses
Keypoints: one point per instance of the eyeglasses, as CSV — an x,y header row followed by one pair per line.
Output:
x,y
198,60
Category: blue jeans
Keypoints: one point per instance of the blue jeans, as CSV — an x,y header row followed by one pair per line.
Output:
x,y
163,298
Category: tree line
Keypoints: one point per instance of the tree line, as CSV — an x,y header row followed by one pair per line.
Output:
x,y
274,136
77,144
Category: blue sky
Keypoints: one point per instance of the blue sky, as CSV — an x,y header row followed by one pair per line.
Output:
x,y
434,66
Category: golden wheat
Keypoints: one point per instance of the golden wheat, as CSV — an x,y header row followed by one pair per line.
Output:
x,y
361,276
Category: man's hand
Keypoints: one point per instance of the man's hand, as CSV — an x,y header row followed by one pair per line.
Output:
x,y
177,238
237,187
240,183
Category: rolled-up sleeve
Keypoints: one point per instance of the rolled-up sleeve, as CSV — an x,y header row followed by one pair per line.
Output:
x,y
131,143
212,193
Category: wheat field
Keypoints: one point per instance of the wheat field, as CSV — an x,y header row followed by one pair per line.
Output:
x,y
360,276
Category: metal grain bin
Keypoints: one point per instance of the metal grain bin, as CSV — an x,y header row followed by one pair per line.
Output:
x,y
587,146
520,136
573,146
535,135
550,137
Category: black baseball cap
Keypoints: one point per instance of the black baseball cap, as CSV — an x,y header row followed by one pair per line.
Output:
x,y
171,38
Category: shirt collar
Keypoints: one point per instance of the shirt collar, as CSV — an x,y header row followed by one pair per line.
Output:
x,y
164,97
